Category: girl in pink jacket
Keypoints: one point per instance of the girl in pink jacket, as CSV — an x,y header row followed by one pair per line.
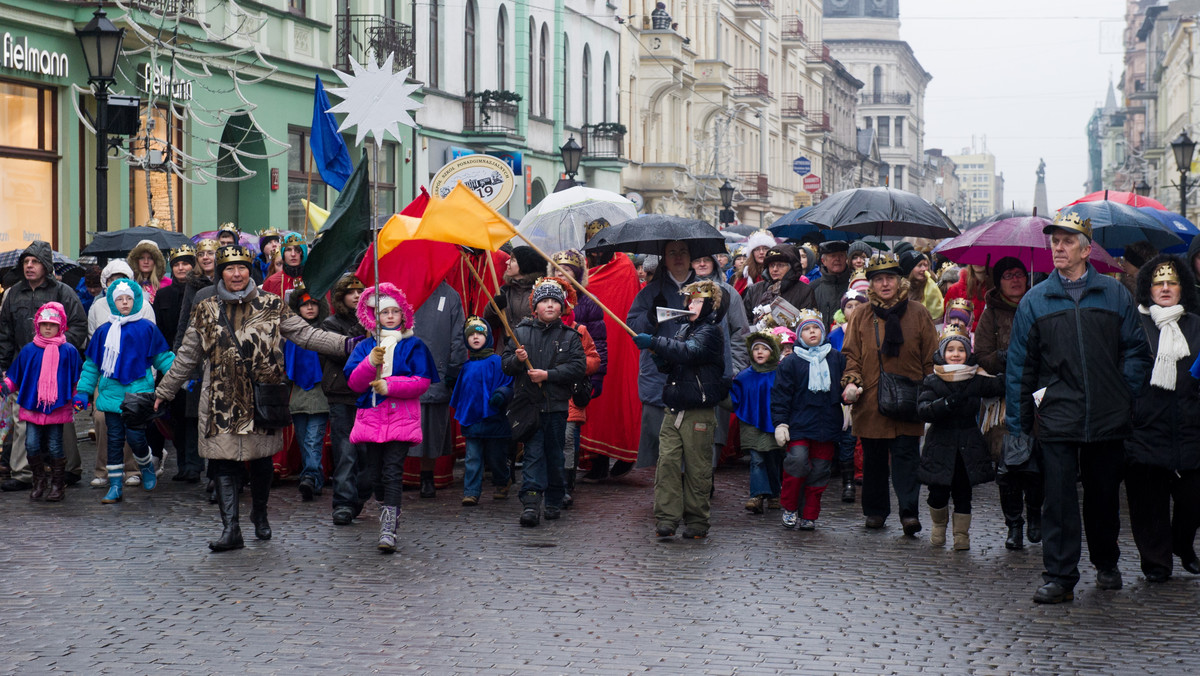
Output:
x,y
391,374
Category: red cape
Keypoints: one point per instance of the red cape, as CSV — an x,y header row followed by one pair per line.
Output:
x,y
614,418
475,299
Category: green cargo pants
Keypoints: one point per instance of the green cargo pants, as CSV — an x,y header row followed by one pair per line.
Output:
x,y
683,480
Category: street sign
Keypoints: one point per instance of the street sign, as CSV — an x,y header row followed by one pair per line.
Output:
x,y
812,183
801,200
802,165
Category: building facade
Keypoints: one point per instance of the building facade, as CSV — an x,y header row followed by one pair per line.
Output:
x,y
981,186
852,157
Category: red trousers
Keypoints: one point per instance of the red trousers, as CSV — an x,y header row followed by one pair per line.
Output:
x,y
806,467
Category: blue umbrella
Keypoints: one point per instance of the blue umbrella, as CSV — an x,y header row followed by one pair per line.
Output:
x,y
793,226
1116,225
1177,224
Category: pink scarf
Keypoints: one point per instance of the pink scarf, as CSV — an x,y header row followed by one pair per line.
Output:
x,y
48,378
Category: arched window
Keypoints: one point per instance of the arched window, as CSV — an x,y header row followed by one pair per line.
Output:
x,y
502,49
434,48
606,84
877,84
586,83
543,109
566,86
469,47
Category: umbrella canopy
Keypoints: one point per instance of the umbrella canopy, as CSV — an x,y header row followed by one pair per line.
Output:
x,y
999,216
119,243
794,225
1021,238
741,229
882,211
1181,226
1116,225
1132,199
557,222
9,258
650,233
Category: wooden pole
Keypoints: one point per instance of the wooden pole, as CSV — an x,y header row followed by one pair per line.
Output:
x,y
495,308
307,200
375,253
577,285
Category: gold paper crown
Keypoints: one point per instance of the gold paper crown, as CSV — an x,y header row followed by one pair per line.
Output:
x,y
809,314
705,288
1072,222
883,262
182,251
232,253
1165,272
293,239
229,227
302,293
352,283
268,234
154,223
961,304
475,324
570,257
948,265
594,227
207,244
955,331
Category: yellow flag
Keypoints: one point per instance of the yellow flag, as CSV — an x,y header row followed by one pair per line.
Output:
x,y
463,218
316,214
399,228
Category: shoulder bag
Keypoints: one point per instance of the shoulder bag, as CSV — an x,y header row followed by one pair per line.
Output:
x,y
897,393
272,402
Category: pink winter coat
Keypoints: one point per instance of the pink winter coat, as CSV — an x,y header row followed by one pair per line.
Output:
x,y
397,417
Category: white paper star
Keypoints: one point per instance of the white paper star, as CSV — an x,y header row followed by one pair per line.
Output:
x,y
375,100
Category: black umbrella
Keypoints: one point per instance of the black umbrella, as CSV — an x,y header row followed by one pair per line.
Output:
x,y
882,212
649,234
741,229
1001,215
118,243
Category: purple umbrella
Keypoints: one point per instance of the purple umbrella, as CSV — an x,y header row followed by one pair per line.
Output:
x,y
1021,238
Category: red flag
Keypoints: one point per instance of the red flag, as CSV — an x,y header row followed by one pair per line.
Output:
x,y
613,426
417,266
475,299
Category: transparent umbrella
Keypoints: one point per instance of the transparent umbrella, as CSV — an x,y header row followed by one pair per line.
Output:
x,y
558,221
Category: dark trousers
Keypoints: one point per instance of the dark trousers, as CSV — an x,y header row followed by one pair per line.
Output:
x,y
959,489
1100,465
386,462
351,480
187,437
1157,532
1021,493
905,456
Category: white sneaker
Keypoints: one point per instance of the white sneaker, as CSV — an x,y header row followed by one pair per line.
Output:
x,y
789,519
99,482
160,463
134,479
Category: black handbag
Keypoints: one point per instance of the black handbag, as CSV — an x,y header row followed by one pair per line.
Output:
x,y
524,415
897,394
581,392
137,410
272,401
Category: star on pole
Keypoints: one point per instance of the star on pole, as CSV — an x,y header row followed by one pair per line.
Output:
x,y
375,100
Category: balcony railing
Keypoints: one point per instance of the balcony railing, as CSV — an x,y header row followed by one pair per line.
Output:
x,y
817,53
754,184
899,98
754,4
820,122
602,141
750,82
368,36
793,29
167,7
793,106
488,116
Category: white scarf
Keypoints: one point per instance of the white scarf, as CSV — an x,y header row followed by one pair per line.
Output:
x,y
818,368
112,342
1172,346
388,339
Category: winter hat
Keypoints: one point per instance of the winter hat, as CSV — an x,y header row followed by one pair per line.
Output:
x,y
859,283
1004,265
759,238
961,309
295,240
650,263
41,251
770,340
833,246
811,317
300,295
859,247
949,273
909,260
114,268
53,313
852,294
183,252
552,287
474,324
91,277
949,335
528,260
786,335
901,247
265,236
780,253
390,296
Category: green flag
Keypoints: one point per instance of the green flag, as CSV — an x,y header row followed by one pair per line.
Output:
x,y
345,237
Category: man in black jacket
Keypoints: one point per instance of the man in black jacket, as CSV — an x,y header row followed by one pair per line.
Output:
x,y
835,279
21,300
694,361
544,364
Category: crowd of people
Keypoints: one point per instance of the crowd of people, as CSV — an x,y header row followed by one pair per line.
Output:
x,y
895,369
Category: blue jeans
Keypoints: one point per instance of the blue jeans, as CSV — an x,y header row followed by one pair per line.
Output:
x,y
543,470
845,447
351,478
764,473
48,438
310,434
118,434
483,451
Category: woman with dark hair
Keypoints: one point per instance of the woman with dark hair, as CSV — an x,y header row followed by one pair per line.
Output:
x,y
1163,453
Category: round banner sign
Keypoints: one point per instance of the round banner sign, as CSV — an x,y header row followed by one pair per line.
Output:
x,y
489,177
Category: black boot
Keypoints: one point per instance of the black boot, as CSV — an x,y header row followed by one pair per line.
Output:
x,y
211,489
227,499
531,509
848,481
598,470
1014,539
567,499
427,488
1012,506
260,492
1034,497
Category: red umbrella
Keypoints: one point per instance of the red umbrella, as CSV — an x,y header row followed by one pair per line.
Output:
x,y
1132,199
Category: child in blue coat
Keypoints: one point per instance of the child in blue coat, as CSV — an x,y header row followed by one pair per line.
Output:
x,y
44,375
750,400
806,408
121,358
479,399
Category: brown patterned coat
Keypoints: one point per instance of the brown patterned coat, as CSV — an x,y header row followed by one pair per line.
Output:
x,y
261,322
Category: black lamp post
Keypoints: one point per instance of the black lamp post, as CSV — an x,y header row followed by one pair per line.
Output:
x,y
571,153
727,214
1142,189
101,43
1184,147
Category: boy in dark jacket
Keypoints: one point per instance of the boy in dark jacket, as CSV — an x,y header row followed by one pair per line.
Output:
x,y
547,359
309,406
694,361
955,457
349,464
806,409
479,397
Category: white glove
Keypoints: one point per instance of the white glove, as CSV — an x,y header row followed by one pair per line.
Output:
x,y
782,436
851,393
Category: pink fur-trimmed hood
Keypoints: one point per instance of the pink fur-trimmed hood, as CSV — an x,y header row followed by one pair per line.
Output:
x,y
366,313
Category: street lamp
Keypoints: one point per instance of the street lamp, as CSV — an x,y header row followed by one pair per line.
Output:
x,y
727,214
1184,147
101,44
1142,189
571,153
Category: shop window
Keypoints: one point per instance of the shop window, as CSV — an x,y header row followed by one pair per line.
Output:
x,y
28,164
157,191
303,180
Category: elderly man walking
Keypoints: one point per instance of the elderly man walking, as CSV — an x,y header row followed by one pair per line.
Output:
x,y
1076,360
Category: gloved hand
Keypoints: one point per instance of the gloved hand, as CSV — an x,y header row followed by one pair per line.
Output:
x,y
643,341
496,400
352,342
377,355
380,387
954,401
81,402
189,384
501,301
782,436
851,393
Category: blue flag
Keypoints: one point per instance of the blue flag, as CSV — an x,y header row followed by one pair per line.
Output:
x,y
329,150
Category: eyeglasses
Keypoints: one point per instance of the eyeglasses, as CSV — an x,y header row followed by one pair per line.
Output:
x,y
1012,274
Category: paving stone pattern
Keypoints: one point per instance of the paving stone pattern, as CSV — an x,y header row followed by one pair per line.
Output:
x,y
132,588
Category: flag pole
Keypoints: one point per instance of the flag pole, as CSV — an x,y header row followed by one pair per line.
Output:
x,y
375,254
308,198
495,308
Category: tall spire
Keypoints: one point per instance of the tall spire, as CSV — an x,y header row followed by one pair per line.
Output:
x,y
1110,101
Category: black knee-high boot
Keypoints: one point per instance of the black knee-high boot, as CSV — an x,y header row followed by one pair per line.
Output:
x,y
261,474
1012,506
227,500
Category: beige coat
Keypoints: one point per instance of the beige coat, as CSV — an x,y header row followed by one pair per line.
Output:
x,y
261,322
862,364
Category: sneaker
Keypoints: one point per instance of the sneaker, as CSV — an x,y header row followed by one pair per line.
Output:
x,y
501,492
773,503
343,516
665,530
133,480
692,534
806,524
98,482
755,505
530,517
789,519
160,464
470,500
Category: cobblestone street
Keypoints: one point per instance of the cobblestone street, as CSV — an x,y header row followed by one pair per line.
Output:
x,y
132,588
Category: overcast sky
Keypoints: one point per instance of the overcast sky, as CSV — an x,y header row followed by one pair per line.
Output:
x,y
1025,74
